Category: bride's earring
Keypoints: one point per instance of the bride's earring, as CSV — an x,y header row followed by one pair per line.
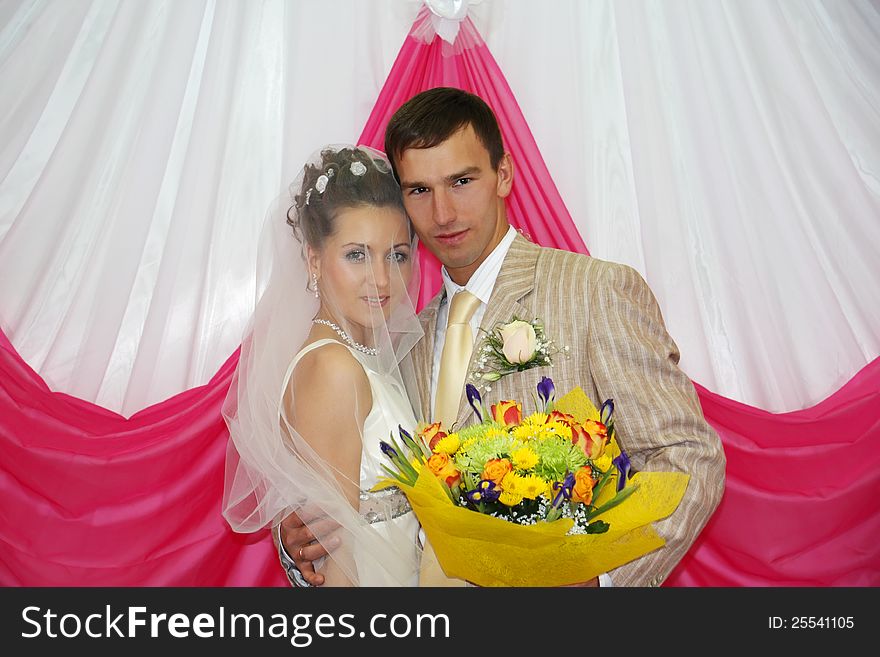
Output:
x,y
315,284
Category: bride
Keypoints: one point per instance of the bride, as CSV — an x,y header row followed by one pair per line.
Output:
x,y
320,380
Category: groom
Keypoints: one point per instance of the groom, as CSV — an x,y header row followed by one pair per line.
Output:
x,y
446,150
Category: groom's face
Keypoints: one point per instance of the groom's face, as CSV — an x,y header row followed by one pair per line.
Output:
x,y
456,200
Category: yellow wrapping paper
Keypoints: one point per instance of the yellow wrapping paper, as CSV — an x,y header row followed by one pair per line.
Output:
x,y
490,551
494,552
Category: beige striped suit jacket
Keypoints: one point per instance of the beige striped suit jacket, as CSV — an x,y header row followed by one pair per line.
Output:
x,y
619,348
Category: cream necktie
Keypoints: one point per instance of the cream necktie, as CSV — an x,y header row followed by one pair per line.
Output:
x,y
454,360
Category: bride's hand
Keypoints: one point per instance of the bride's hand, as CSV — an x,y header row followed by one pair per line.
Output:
x,y
298,536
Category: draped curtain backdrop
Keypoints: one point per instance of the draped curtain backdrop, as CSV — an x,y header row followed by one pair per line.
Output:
x,y
729,151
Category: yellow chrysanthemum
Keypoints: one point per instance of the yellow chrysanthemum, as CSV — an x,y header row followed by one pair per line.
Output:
x,y
530,426
511,482
531,486
509,499
556,429
536,418
524,458
448,445
467,444
493,432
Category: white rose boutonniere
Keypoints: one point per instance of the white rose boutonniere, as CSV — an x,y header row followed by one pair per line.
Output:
x,y
519,342
512,347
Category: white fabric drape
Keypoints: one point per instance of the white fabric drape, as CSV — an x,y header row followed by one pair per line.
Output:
x,y
730,151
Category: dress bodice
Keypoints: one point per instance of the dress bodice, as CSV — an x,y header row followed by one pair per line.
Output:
x,y
387,511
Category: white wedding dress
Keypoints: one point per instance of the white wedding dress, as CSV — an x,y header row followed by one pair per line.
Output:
x,y
387,511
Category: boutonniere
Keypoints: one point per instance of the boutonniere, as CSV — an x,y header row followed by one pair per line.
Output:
x,y
512,347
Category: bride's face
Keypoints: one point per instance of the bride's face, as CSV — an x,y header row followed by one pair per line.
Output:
x,y
365,266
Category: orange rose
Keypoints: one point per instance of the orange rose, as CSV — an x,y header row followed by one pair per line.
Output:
x,y
591,437
432,434
444,468
496,469
508,413
583,486
565,418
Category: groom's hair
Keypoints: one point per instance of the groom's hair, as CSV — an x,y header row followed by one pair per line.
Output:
x,y
431,117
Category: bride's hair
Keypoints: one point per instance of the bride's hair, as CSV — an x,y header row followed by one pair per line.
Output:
x,y
344,178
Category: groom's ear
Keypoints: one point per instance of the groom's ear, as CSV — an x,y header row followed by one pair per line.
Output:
x,y
505,176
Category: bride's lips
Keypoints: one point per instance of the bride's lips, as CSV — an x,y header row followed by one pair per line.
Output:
x,y
376,302
451,239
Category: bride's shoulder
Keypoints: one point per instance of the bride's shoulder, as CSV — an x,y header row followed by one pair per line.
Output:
x,y
329,365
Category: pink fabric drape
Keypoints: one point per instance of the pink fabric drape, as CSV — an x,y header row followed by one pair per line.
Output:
x,y
800,507
88,497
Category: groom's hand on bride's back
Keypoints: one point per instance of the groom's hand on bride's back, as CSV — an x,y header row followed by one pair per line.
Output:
x,y
298,532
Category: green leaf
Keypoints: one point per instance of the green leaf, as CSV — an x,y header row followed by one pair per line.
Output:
x,y
598,527
402,462
397,476
601,483
447,489
614,501
413,448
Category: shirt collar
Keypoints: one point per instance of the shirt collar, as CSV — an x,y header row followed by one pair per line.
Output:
x,y
482,282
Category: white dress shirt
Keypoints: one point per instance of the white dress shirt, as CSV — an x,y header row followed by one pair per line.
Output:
x,y
481,284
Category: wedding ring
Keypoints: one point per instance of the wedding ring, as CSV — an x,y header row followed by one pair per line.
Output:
x,y
300,553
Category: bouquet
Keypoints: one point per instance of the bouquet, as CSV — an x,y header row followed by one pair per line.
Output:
x,y
540,500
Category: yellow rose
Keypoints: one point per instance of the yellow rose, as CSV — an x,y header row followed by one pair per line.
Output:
x,y
431,434
507,413
519,342
591,437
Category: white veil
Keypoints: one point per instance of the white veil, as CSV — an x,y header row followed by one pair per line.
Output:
x,y
367,294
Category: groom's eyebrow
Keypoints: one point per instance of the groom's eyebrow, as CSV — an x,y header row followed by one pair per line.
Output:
x,y
464,173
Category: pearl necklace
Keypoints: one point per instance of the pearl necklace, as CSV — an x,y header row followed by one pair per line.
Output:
x,y
370,351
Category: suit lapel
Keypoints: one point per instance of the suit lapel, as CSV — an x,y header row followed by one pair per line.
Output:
x,y
423,355
515,280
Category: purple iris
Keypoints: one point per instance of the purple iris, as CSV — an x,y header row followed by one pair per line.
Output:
x,y
623,466
486,491
606,411
564,489
403,432
546,389
474,399
387,449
